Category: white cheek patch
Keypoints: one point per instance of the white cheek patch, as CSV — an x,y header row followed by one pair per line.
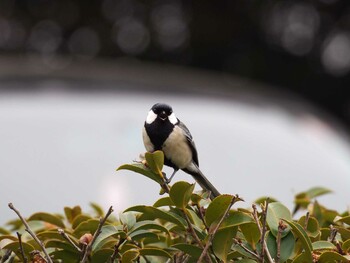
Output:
x,y
172,118
151,117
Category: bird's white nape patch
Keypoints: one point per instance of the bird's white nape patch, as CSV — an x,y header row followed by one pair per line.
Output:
x,y
172,118
151,117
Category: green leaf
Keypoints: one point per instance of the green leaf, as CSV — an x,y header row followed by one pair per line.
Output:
x,y
3,231
48,218
89,226
155,161
331,256
164,201
102,255
140,234
108,231
323,245
317,191
346,245
62,245
71,213
130,256
180,193
64,256
53,234
79,219
312,227
222,242
128,219
154,213
275,212
303,237
14,247
148,224
98,209
141,169
236,218
287,246
251,233
154,252
246,261
345,219
194,251
217,208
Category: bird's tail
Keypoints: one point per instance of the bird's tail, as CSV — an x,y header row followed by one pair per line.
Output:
x,y
204,182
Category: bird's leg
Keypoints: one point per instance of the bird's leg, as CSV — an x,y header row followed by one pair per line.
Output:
x,y
171,177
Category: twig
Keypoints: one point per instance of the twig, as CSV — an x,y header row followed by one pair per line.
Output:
x,y
238,242
116,250
96,234
211,235
281,227
201,215
66,237
191,229
27,228
21,250
262,230
6,256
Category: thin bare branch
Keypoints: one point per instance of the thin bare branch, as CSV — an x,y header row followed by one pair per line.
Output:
x,y
21,250
66,237
27,228
96,234
211,235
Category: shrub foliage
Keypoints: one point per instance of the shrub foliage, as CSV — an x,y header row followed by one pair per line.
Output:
x,y
182,226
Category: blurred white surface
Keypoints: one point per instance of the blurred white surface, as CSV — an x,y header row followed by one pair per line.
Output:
x,y
61,148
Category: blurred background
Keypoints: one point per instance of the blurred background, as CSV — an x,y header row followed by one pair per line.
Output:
x,y
261,85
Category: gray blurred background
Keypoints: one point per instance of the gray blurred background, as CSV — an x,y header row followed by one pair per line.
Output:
x,y
261,85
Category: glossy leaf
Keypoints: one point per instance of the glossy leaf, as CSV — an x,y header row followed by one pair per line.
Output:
x,y
108,231
48,218
79,219
154,213
222,242
346,245
312,227
155,161
332,256
345,219
141,169
148,224
275,212
194,251
102,255
251,233
61,245
130,255
128,219
317,191
98,209
89,226
323,245
14,247
140,234
164,201
180,193
72,213
217,208
287,246
154,252
303,237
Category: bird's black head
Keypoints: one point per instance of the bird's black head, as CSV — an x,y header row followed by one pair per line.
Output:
x,y
162,112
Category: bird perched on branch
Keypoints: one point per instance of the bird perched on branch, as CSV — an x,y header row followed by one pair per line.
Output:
x,y
163,131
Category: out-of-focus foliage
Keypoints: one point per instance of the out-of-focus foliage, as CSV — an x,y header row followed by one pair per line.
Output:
x,y
185,226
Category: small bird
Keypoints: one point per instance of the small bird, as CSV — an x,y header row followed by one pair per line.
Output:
x,y
163,131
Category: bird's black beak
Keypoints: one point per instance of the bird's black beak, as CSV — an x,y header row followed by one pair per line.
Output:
x,y
163,116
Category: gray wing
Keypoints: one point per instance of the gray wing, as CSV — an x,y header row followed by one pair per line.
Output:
x,y
190,142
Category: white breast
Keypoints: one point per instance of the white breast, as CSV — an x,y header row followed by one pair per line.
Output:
x,y
147,141
176,148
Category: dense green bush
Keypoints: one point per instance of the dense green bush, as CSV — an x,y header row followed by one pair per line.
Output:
x,y
182,226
